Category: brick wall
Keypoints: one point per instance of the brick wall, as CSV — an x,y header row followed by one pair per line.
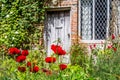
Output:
x,y
119,16
73,4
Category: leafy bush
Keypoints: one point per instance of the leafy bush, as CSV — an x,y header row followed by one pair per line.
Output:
x,y
48,71
20,22
79,55
107,65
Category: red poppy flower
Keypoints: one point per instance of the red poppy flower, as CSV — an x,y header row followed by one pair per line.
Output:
x,y
62,66
35,69
94,45
49,72
25,52
58,50
90,46
50,59
109,46
14,51
113,36
20,58
53,47
115,49
61,52
28,64
44,70
22,69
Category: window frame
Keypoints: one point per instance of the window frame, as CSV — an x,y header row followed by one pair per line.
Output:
x,y
93,22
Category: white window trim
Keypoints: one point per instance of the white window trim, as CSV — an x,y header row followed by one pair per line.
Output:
x,y
92,41
108,18
79,23
93,11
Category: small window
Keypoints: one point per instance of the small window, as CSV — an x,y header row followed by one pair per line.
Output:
x,y
94,19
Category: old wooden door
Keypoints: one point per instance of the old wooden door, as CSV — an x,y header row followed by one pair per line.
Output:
x,y
57,25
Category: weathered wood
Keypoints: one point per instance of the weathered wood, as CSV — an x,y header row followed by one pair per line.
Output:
x,y
57,26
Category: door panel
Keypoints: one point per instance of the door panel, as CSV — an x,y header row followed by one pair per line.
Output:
x,y
57,25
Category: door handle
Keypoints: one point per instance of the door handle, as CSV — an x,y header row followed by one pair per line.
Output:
x,y
68,34
59,27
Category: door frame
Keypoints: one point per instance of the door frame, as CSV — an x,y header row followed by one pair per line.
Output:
x,y
56,9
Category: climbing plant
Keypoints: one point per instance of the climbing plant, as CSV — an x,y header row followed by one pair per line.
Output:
x,y
19,22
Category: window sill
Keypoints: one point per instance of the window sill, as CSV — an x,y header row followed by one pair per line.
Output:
x,y
92,41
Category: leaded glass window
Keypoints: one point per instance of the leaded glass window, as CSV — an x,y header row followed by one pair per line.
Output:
x,y
94,19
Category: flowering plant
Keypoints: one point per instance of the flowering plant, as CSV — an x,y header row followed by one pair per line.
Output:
x,y
13,51
20,56
62,66
58,50
50,59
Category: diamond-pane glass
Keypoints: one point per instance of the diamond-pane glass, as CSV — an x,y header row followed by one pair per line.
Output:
x,y
94,19
100,19
86,19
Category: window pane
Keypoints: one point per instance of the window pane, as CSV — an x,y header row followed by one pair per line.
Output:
x,y
86,19
100,19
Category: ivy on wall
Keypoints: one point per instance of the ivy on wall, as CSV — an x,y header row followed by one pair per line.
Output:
x,y
18,20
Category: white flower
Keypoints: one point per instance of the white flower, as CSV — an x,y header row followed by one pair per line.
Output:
x,y
16,32
12,45
5,36
2,5
7,16
13,38
11,12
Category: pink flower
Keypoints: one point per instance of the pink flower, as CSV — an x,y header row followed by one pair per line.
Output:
x,y
62,66
25,52
13,51
91,47
20,58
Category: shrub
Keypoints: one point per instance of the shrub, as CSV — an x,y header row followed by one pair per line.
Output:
x,y
107,65
79,55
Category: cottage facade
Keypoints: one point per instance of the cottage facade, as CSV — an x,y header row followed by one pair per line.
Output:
x,y
83,21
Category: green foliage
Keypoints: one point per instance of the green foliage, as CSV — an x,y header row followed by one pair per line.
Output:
x,y
79,55
9,67
107,67
19,21
9,71
71,73
75,72
107,64
37,56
